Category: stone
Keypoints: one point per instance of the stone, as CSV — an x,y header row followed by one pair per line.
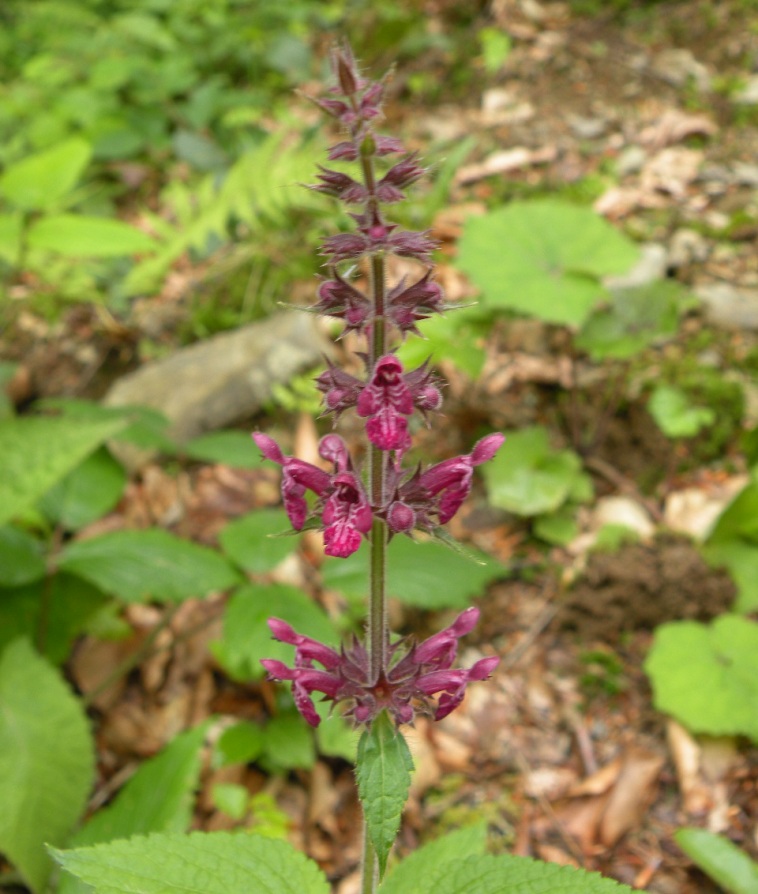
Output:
x,y
687,247
748,94
630,161
677,66
219,381
651,266
729,307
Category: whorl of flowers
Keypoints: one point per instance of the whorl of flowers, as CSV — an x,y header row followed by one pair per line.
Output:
x,y
345,508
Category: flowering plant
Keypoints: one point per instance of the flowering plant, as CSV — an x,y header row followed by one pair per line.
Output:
x,y
382,682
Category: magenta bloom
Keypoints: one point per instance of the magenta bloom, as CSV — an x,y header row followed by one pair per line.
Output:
x,y
432,498
406,686
345,512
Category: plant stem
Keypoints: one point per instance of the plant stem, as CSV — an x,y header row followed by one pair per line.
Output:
x,y
370,865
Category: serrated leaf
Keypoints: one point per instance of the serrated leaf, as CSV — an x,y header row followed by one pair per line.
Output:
x,y
414,572
38,451
420,872
707,676
137,566
87,492
46,760
41,180
233,448
79,236
384,779
158,798
21,559
521,875
251,543
211,862
528,477
719,858
543,258
247,638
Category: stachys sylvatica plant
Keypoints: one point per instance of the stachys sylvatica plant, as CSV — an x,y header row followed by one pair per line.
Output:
x,y
380,682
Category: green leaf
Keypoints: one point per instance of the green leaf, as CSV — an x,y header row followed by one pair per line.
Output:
x,y
707,676
233,448
559,527
415,570
675,415
249,540
520,875
211,862
21,559
247,638
632,321
384,778
421,871
733,544
70,604
457,336
239,744
40,181
528,477
720,859
38,451
46,761
78,236
11,228
231,799
543,258
288,744
89,491
139,566
334,736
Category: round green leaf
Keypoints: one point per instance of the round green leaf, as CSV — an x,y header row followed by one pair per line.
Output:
x,y
543,258
707,676
528,477
233,448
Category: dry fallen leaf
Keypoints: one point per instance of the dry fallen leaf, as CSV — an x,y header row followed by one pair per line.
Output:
x,y
631,794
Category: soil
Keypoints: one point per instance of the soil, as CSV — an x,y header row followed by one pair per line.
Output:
x,y
518,751
641,586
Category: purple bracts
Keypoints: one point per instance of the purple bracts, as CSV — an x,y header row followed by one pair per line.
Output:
x,y
405,687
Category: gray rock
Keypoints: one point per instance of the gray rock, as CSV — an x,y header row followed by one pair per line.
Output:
x,y
650,267
748,93
745,174
677,66
587,128
729,307
219,381
687,247
631,161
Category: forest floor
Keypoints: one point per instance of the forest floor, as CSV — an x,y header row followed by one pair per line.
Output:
x,y
563,752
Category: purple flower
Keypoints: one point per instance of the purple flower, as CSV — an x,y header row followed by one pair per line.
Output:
x,y
339,388
337,298
404,687
387,400
340,186
434,496
407,305
345,512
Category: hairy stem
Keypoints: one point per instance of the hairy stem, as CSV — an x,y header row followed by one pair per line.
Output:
x,y
370,865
